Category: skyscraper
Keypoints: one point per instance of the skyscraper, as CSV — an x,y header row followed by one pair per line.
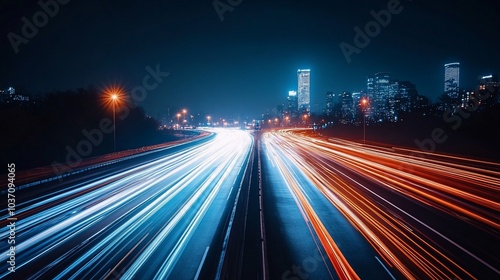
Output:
x,y
488,82
489,90
381,92
407,96
347,109
452,79
304,91
370,87
330,102
292,107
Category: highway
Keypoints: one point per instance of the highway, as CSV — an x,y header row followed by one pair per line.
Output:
x,y
290,205
158,217
419,215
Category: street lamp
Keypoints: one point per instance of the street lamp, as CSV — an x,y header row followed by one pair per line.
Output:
x,y
184,111
208,120
178,116
364,102
114,99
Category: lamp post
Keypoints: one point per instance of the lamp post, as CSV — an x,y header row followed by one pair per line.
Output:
x,y
178,117
184,111
364,102
208,120
114,99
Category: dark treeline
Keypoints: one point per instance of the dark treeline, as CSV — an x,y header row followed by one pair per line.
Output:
x,y
41,131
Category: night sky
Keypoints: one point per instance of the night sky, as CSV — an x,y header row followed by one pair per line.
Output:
x,y
247,63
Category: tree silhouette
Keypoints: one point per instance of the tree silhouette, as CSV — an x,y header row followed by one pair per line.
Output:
x,y
40,133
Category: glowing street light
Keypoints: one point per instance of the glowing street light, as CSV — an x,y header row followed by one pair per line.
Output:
x,y
114,98
364,103
178,117
304,119
208,120
184,111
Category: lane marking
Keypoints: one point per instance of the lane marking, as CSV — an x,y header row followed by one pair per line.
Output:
x,y
386,269
229,194
201,264
233,212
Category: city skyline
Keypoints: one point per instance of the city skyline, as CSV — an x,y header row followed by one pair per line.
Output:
x,y
380,89
378,100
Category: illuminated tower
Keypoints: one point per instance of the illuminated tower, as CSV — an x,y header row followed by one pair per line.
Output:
x,y
304,91
452,79
292,107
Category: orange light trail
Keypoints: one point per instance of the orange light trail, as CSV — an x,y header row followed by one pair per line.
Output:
x,y
454,185
339,262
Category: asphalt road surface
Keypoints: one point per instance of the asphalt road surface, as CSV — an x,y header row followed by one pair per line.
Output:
x,y
418,215
155,217
288,205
